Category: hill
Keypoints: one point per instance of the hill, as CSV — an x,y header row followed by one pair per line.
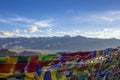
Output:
x,y
6,52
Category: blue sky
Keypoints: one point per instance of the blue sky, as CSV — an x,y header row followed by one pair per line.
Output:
x,y
34,18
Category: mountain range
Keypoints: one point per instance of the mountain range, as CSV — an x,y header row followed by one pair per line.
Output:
x,y
77,43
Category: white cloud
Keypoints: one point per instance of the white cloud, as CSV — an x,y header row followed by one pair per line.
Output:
x,y
49,30
108,17
107,22
26,26
63,33
21,19
17,31
32,29
24,21
29,21
106,29
6,34
43,23
103,33
6,21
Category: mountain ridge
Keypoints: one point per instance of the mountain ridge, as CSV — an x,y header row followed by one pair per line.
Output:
x,y
58,43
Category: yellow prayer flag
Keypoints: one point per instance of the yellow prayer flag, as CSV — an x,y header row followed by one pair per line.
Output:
x,y
63,77
5,75
12,59
53,74
97,53
29,76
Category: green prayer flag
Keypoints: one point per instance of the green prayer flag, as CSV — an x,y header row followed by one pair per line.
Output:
x,y
23,59
58,75
3,59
